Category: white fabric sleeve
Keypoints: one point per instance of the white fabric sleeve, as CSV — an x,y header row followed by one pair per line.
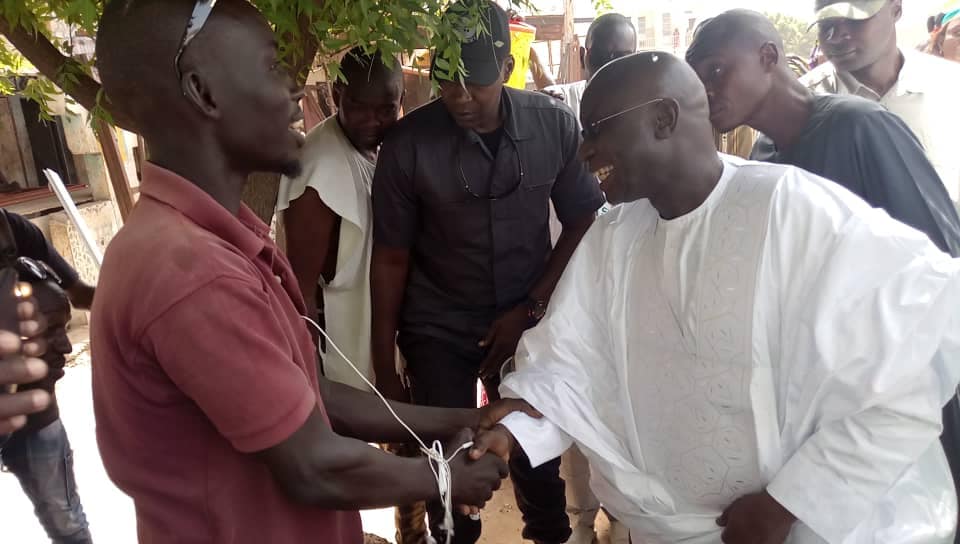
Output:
x,y
540,439
565,367
325,169
835,479
867,353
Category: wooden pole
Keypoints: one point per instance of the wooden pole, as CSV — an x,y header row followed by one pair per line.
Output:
x,y
569,47
118,175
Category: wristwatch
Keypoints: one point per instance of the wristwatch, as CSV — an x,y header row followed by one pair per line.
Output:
x,y
536,309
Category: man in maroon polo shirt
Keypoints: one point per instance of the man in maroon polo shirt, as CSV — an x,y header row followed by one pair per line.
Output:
x,y
210,413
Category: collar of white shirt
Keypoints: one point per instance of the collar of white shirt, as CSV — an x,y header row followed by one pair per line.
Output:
x,y
914,78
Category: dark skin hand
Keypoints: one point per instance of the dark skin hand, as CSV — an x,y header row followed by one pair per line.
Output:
x,y
496,440
505,332
756,519
362,416
332,466
345,474
553,93
388,279
20,364
81,295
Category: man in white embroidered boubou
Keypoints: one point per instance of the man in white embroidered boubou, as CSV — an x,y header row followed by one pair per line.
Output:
x,y
726,374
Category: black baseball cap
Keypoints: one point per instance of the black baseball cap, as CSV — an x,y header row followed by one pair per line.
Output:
x,y
483,53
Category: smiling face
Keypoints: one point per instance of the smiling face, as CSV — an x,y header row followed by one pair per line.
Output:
x,y
621,150
853,45
257,99
736,82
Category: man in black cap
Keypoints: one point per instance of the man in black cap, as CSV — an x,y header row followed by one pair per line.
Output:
x,y
859,38
462,262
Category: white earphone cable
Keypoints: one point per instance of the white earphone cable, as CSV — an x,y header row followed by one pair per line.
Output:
x,y
439,464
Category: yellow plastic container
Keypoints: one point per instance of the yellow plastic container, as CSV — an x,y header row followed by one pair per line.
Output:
x,y
521,38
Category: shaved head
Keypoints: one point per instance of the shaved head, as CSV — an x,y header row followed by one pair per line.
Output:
x,y
609,37
738,56
740,27
137,44
228,101
606,25
137,41
641,77
646,122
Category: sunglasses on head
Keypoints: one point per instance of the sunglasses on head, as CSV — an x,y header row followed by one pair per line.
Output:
x,y
201,12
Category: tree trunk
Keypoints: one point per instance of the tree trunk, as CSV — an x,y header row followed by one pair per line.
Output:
x,y
260,194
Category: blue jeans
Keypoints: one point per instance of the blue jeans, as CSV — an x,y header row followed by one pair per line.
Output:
x,y
43,463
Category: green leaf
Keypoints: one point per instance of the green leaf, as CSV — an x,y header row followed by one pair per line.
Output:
x,y
392,26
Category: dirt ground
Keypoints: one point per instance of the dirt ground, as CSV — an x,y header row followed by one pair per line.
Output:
x,y
110,512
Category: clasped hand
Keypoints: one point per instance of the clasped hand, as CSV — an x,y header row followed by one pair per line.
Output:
x,y
756,519
487,454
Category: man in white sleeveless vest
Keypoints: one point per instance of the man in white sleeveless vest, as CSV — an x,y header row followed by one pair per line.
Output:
x,y
326,209
328,224
745,352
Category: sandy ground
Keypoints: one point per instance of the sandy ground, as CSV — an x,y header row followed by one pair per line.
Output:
x,y
110,512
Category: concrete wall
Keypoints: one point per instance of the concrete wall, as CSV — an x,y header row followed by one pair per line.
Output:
x,y
11,161
101,216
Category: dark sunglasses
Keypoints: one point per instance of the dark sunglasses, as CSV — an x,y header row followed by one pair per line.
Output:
x,y
593,129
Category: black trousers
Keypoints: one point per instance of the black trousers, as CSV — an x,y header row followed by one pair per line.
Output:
x,y
444,373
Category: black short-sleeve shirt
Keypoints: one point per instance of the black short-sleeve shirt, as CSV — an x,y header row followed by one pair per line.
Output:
x,y
32,244
476,222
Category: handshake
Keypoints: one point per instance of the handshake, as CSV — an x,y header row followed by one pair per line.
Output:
x,y
478,471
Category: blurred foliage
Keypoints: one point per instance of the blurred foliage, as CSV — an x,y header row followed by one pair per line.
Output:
x,y
797,38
